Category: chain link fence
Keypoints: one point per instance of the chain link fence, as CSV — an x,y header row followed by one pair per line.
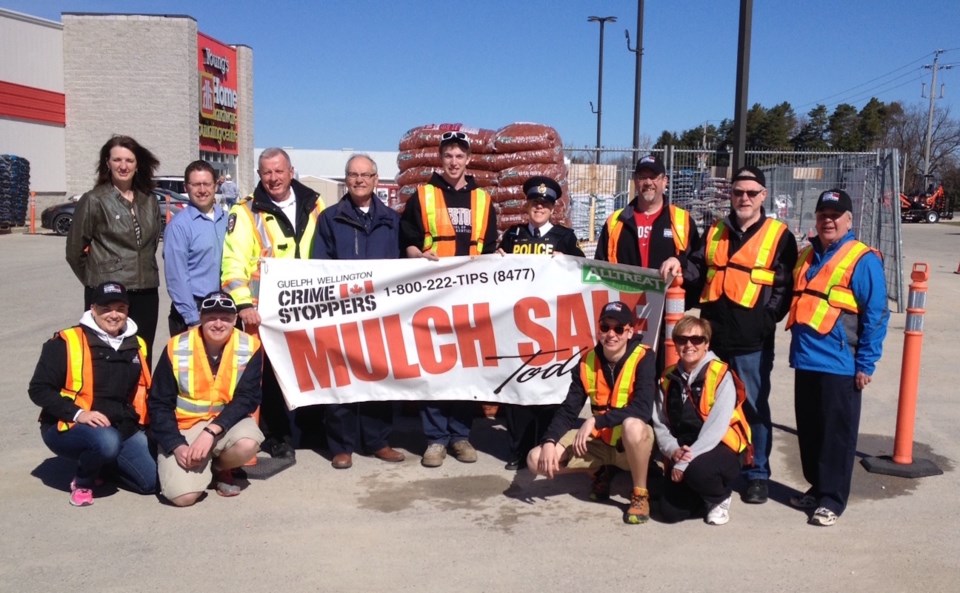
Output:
x,y
699,183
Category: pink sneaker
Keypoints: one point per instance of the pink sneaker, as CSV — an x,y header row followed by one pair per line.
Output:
x,y
81,497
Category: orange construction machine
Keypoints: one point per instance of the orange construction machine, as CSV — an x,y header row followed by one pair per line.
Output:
x,y
929,207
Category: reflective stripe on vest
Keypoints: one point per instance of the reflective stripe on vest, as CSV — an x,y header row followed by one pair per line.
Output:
x,y
602,398
438,231
741,277
817,303
202,396
679,224
738,435
78,386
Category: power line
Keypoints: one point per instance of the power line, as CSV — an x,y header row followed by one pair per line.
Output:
x,y
905,66
917,77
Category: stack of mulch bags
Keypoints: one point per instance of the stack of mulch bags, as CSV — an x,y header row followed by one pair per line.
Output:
x,y
502,160
14,190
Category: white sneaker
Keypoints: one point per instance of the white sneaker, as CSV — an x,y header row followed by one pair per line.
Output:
x,y
823,517
720,513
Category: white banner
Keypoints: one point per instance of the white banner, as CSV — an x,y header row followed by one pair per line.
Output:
x,y
493,329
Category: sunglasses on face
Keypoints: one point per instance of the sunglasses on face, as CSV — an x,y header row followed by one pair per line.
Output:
x,y
217,302
752,193
684,340
617,329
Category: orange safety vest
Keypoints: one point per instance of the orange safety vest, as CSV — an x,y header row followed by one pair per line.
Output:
x,y
738,435
742,276
679,223
602,397
438,232
203,395
817,303
79,384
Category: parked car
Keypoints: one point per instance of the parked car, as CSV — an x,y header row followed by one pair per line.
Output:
x,y
176,184
59,218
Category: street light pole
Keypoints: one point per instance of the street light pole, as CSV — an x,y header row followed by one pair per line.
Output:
x,y
599,110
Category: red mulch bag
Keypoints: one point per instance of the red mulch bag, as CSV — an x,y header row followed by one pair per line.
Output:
x,y
415,176
418,157
546,156
481,140
525,136
519,174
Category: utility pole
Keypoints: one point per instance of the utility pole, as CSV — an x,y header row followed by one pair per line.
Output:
x,y
599,110
636,92
743,83
933,99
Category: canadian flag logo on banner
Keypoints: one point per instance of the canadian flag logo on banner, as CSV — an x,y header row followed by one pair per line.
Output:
x,y
347,291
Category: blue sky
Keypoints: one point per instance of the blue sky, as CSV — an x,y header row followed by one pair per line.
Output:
x,y
358,74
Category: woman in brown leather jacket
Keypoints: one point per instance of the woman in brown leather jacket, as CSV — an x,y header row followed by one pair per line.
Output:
x,y
116,229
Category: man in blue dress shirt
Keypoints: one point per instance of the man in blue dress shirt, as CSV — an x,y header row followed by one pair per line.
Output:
x,y
193,248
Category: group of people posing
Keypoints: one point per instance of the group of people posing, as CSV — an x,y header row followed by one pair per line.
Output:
x,y
708,415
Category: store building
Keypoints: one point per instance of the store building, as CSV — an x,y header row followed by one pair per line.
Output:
x,y
178,91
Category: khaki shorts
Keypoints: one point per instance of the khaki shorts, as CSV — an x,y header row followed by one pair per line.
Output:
x,y
176,481
598,454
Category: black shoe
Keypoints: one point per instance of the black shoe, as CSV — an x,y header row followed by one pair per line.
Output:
x,y
756,492
278,448
512,465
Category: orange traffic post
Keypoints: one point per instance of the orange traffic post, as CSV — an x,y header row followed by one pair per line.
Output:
x,y
902,463
33,213
673,308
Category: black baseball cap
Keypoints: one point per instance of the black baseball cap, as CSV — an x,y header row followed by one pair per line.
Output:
x,y
110,292
749,173
834,199
218,302
619,312
650,163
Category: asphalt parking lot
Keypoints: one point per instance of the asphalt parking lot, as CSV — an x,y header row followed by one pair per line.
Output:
x,y
476,527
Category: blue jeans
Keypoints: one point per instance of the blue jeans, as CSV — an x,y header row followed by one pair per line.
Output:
x,y
754,370
447,422
98,448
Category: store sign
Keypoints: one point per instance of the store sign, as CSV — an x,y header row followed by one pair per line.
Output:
x,y
218,95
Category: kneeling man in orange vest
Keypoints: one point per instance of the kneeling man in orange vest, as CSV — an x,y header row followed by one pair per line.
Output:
x,y
208,384
618,376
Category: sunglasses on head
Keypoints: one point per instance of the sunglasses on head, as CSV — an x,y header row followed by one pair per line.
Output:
x,y
695,340
739,193
454,136
617,329
217,302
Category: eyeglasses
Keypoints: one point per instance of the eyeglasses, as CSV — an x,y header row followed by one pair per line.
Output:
x,y
361,175
617,329
684,340
752,193
203,185
218,302
447,136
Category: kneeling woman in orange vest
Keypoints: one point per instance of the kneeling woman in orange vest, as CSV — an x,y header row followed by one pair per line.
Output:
x,y
207,385
91,381
700,428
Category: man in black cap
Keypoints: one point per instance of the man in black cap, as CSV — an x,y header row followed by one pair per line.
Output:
x,y
835,346
539,236
206,385
745,266
450,216
648,232
620,374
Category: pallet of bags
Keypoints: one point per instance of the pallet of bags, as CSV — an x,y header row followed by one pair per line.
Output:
x,y
524,150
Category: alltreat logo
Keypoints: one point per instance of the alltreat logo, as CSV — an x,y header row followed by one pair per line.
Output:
x,y
620,280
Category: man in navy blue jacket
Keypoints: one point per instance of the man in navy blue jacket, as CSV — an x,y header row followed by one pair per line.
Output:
x,y
360,226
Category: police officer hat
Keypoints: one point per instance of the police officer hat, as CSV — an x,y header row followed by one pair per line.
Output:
x,y
541,187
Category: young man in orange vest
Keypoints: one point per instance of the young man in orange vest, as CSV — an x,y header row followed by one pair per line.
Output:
x,y
450,216
745,267
618,377
91,382
208,385
838,320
